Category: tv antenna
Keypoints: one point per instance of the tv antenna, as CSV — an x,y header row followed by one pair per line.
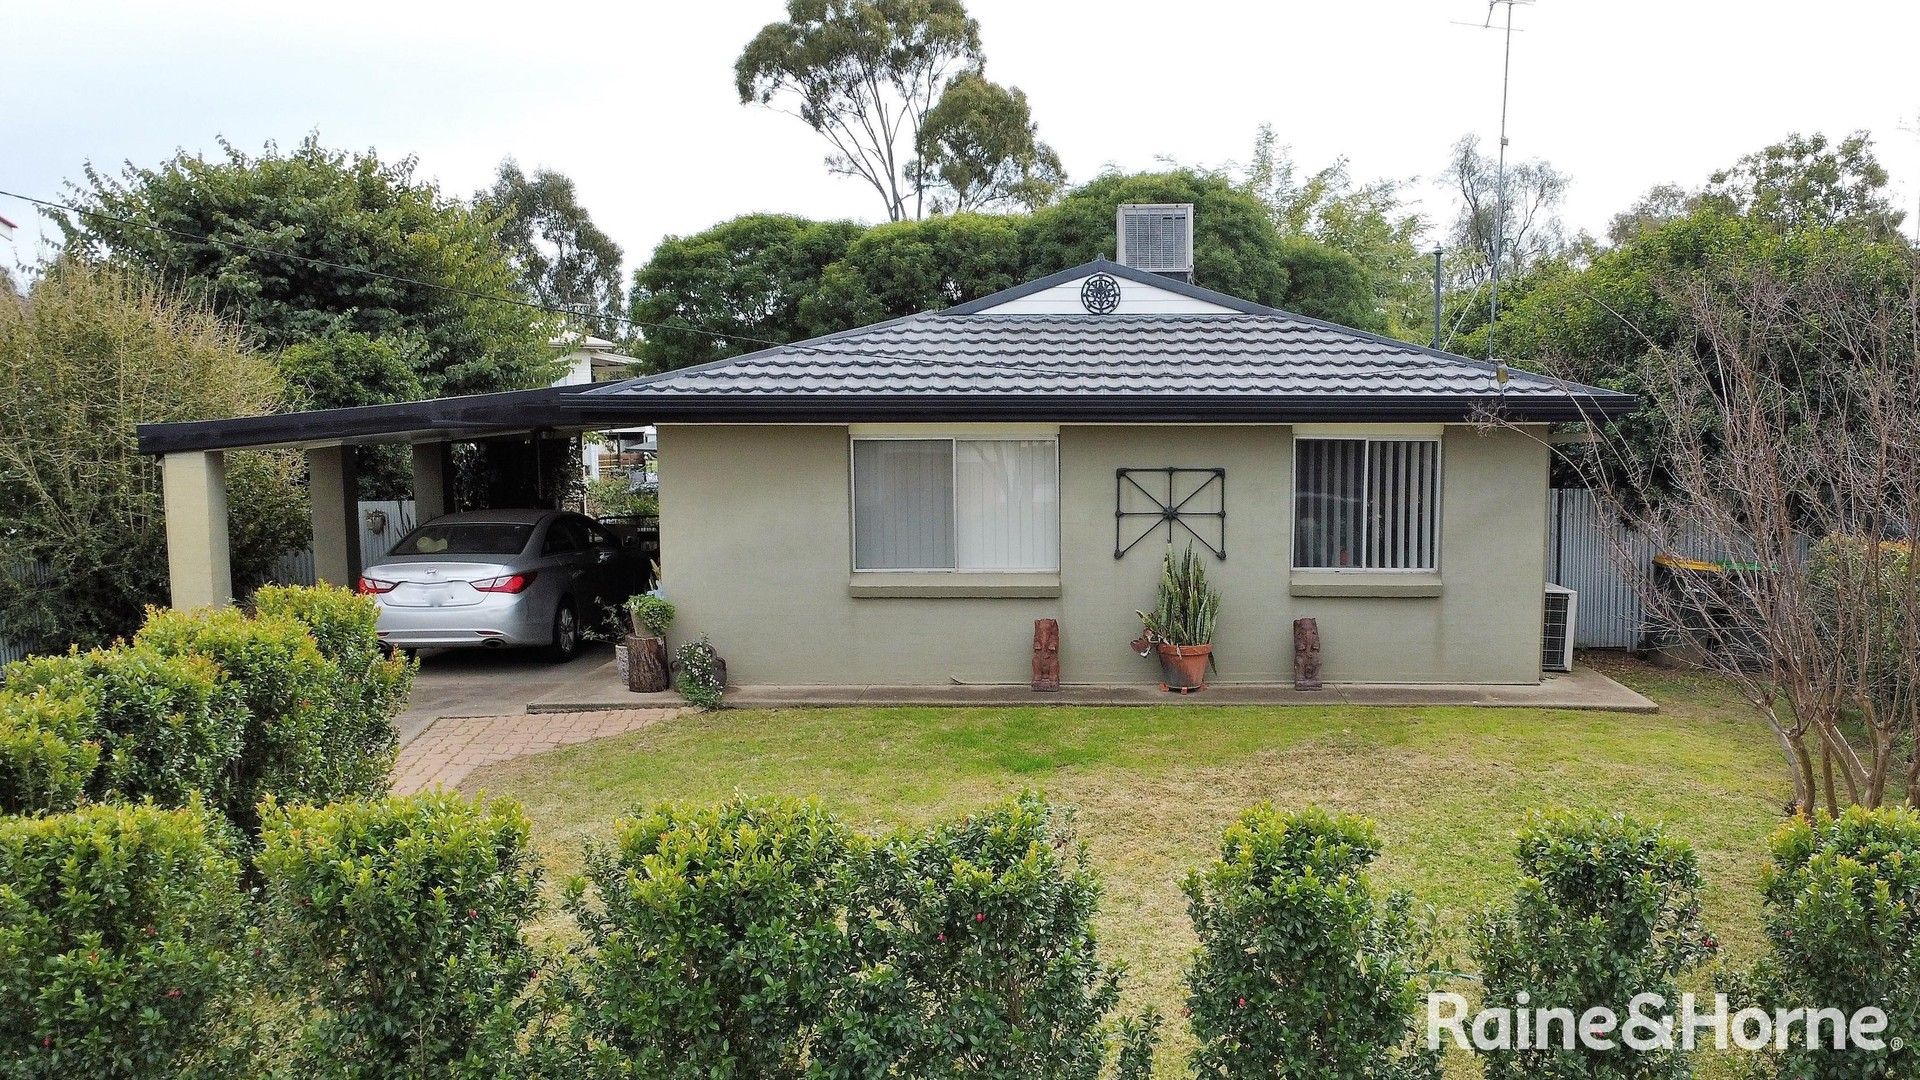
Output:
x,y
1500,175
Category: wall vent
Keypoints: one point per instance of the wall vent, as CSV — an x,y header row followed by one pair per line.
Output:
x,y
1556,636
1157,237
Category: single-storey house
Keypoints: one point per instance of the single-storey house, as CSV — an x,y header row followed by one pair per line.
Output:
x,y
896,504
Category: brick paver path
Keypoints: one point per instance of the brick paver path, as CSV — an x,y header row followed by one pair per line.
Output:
x,y
454,746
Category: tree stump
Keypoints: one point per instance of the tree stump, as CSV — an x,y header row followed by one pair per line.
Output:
x,y
1306,654
647,665
1046,655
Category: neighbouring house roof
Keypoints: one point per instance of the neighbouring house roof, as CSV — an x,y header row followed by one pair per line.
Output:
x,y
1218,358
1167,352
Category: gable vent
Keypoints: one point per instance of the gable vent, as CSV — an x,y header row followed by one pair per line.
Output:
x,y
1157,237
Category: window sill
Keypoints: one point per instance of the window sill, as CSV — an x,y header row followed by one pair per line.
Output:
x,y
883,585
1363,583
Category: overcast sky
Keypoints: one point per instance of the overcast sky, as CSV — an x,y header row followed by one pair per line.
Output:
x,y
635,100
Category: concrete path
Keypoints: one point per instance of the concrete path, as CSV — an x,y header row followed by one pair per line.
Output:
x,y
489,682
451,747
1583,688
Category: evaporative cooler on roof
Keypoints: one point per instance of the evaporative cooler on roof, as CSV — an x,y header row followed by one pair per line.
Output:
x,y
1157,237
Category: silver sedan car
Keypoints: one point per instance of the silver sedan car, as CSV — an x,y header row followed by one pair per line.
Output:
x,y
499,578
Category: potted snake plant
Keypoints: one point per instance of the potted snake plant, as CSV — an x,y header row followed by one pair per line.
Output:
x,y
1180,627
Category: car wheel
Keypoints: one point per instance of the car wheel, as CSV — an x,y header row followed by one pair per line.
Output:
x,y
566,633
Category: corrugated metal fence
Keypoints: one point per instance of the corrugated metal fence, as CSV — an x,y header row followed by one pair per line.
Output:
x,y
1592,553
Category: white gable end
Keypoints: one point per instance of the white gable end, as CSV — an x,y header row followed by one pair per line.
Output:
x,y
1136,298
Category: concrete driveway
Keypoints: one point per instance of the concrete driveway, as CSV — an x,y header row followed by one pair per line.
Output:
x,y
495,682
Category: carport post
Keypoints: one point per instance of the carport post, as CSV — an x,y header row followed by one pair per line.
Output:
x,y
194,494
432,486
334,490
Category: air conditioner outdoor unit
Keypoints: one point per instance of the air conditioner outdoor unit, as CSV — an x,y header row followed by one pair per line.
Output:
x,y
1556,636
1157,237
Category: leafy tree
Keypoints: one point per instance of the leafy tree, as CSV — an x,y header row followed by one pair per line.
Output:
x,y
864,74
1235,246
907,266
1365,221
427,256
346,367
91,353
1807,181
562,257
979,143
1534,190
743,279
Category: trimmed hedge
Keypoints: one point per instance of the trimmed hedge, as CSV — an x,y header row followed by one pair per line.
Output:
x,y
372,688
400,921
1607,908
167,725
46,760
1303,969
714,940
119,941
1843,919
975,954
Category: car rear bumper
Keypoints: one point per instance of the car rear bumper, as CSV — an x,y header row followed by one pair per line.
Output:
x,y
497,622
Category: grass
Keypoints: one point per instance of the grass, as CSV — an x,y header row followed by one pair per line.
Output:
x,y
1155,787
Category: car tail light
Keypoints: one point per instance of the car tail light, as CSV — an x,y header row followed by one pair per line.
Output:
x,y
374,586
510,583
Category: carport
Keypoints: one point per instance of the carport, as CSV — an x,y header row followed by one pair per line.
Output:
x,y
193,469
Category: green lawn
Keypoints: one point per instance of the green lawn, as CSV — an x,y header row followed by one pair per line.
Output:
x,y
1155,786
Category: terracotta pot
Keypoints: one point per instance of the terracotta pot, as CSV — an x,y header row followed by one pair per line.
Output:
x,y
1184,667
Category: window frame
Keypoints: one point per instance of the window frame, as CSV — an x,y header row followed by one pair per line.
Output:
x,y
953,464
1369,438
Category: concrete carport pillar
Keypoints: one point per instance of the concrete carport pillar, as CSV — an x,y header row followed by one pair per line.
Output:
x,y
334,489
432,481
194,494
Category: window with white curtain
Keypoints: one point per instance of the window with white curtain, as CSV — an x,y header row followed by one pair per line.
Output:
x,y
956,504
1366,504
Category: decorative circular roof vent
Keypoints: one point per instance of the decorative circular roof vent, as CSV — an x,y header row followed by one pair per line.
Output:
x,y
1100,294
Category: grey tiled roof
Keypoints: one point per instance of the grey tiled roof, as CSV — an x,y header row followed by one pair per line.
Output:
x,y
1109,355
976,362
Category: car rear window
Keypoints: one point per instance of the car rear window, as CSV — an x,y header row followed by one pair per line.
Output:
x,y
465,538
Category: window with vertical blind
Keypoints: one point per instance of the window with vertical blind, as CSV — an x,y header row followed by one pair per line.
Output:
x,y
956,504
1366,504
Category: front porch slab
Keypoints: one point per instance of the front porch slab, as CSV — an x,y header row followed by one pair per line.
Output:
x,y
1583,688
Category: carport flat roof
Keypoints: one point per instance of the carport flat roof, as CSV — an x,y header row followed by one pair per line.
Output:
x,y
475,416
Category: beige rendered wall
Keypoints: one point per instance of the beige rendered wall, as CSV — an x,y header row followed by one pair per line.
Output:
x,y
757,554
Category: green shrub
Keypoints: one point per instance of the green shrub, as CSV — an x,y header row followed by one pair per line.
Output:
x,y
701,681
975,955
1607,908
1303,969
119,934
45,758
1187,606
652,614
286,688
714,940
1843,919
168,726
371,689
401,919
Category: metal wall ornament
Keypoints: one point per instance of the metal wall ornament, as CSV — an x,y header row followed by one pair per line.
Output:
x,y
1179,499
1100,294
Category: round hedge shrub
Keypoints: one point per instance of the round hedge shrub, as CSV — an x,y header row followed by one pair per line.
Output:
x,y
120,929
46,760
